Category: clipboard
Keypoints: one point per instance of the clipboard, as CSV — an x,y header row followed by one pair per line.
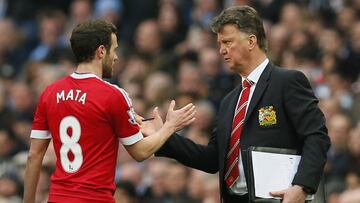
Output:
x,y
287,155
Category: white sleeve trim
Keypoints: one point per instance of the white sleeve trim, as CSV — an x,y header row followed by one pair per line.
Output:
x,y
40,134
132,139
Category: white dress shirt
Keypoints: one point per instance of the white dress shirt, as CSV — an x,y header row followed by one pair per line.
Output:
x,y
239,186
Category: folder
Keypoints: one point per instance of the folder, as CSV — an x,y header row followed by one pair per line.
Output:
x,y
270,169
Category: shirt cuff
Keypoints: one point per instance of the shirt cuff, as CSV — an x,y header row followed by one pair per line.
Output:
x,y
132,139
40,134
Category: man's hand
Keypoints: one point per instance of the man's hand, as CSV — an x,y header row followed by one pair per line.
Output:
x,y
294,194
151,126
177,119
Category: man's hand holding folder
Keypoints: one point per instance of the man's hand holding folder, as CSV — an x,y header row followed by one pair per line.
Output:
x,y
294,194
271,172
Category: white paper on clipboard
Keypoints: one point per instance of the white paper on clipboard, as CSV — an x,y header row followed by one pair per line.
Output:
x,y
273,172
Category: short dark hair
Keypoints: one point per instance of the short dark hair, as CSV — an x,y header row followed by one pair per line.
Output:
x,y
245,18
88,36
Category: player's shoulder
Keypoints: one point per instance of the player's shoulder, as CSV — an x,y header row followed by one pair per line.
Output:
x,y
116,92
54,86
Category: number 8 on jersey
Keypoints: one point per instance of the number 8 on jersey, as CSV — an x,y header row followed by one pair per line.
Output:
x,y
70,143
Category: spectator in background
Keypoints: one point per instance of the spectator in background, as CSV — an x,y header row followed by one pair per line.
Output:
x,y
148,43
204,11
80,11
21,100
292,16
158,87
218,80
6,115
338,155
354,148
175,185
10,188
51,36
13,50
197,185
132,173
171,27
110,10
158,172
346,19
125,193
278,38
190,79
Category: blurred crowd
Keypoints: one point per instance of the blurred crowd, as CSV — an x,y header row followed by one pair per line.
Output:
x,y
167,51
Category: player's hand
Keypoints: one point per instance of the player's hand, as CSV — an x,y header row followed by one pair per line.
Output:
x,y
294,194
151,126
177,119
138,118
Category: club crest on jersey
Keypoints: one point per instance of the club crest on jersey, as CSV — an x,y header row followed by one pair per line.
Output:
x,y
267,116
131,114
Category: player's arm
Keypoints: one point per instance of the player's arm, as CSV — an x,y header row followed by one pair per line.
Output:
x,y
37,151
175,120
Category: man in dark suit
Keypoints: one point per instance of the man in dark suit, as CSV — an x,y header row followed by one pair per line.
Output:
x,y
273,107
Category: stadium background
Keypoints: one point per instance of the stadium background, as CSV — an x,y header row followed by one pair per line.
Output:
x,y
167,51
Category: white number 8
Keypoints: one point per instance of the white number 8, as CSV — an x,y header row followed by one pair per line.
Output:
x,y
70,143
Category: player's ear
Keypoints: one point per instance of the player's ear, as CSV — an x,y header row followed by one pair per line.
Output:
x,y
101,51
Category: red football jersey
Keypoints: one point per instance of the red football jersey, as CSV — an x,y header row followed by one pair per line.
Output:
x,y
86,117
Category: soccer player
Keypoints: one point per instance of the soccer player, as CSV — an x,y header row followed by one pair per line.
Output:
x,y
85,117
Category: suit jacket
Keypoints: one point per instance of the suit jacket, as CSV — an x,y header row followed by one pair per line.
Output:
x,y
283,113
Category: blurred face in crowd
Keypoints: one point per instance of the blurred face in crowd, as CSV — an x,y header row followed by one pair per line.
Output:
x,y
81,10
177,179
6,144
291,16
110,58
339,126
354,142
158,170
168,20
148,37
234,47
355,36
8,187
209,62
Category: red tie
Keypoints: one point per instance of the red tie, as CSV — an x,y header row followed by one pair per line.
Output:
x,y
232,166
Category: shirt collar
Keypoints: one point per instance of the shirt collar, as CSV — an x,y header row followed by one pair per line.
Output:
x,y
254,76
76,75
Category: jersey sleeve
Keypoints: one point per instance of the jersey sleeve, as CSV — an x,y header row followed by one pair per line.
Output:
x,y
122,117
40,129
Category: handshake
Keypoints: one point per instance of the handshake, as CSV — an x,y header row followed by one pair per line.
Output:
x,y
175,119
156,132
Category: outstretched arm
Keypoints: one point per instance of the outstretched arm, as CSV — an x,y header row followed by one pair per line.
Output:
x,y
184,150
37,151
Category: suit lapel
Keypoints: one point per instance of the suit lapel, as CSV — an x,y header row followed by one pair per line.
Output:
x,y
230,110
259,89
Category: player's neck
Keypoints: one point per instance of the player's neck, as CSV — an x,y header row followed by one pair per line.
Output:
x,y
90,67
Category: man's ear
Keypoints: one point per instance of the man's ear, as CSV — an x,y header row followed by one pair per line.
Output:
x,y
101,51
252,42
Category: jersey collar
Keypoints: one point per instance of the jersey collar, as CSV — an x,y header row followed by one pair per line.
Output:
x,y
76,75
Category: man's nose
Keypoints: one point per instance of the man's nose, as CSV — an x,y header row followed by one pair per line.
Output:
x,y
222,50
